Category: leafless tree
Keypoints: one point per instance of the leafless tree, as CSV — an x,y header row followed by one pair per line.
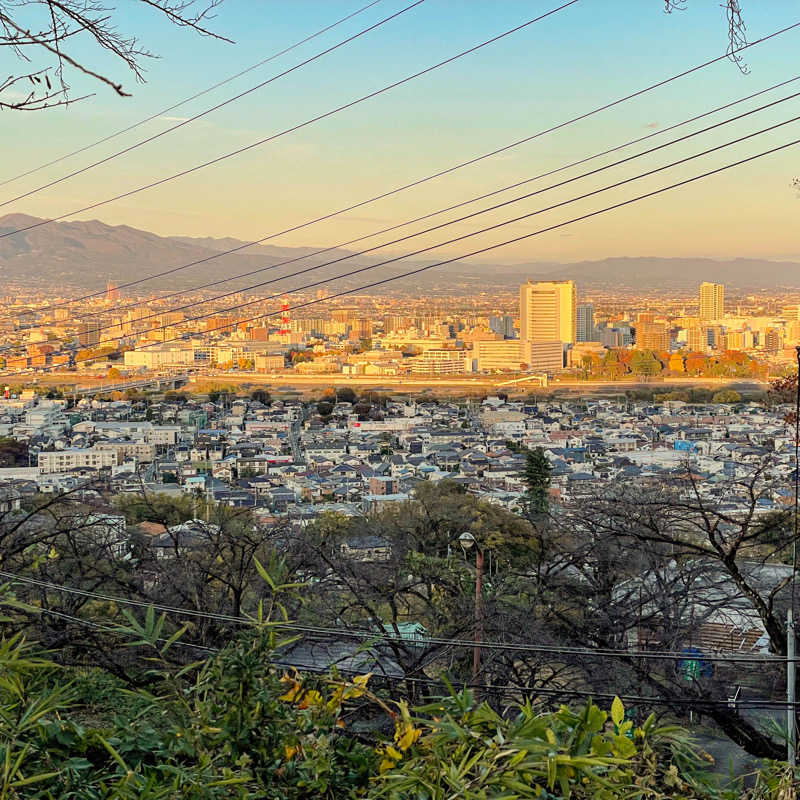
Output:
x,y
737,30
679,564
45,36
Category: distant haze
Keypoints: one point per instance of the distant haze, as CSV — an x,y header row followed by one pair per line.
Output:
x,y
87,255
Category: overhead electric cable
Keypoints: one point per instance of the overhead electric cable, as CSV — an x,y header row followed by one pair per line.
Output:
x,y
180,103
201,114
453,240
349,256
505,690
369,636
285,131
449,170
481,251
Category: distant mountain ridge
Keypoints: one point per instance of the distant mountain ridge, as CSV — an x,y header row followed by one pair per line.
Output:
x,y
88,254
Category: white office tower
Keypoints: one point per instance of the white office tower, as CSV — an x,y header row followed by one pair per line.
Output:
x,y
548,311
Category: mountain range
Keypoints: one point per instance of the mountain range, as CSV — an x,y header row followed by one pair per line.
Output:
x,y
87,255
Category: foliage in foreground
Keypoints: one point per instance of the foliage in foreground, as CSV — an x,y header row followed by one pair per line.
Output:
x,y
234,726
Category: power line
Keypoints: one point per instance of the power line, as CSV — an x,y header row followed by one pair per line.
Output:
x,y
480,251
296,127
441,225
506,690
433,228
180,103
368,636
201,114
453,168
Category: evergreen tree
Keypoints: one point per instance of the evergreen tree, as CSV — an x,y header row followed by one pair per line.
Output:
x,y
537,479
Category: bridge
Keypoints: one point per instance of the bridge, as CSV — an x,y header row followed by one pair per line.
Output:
x,y
155,382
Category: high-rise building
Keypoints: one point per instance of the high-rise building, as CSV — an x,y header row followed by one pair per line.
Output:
x,y
773,340
360,328
394,322
697,339
712,300
548,311
344,313
585,323
716,337
652,336
503,325
88,334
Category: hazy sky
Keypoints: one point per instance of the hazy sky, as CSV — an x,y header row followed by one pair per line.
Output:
x,y
593,52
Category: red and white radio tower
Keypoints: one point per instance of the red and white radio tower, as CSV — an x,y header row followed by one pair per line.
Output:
x,y
285,319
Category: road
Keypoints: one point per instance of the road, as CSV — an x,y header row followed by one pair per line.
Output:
x,y
476,384
450,385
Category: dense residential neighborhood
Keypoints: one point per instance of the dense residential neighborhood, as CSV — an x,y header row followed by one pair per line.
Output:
x,y
286,461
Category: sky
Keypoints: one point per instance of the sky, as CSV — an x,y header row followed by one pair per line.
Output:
x,y
580,58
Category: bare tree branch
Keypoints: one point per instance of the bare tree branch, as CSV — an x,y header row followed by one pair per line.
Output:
x,y
49,35
737,30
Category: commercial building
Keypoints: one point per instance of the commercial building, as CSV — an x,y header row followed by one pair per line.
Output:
x,y
585,323
516,354
157,357
499,355
544,356
266,362
503,326
548,311
439,362
712,300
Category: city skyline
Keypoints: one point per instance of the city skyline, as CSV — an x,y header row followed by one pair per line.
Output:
x,y
454,342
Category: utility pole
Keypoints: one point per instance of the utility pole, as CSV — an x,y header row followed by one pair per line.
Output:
x,y
791,666
791,725
467,540
476,652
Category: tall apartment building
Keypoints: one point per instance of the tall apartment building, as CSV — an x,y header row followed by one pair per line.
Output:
x,y
585,323
652,336
88,334
548,311
697,339
772,340
344,313
360,328
712,300
394,322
